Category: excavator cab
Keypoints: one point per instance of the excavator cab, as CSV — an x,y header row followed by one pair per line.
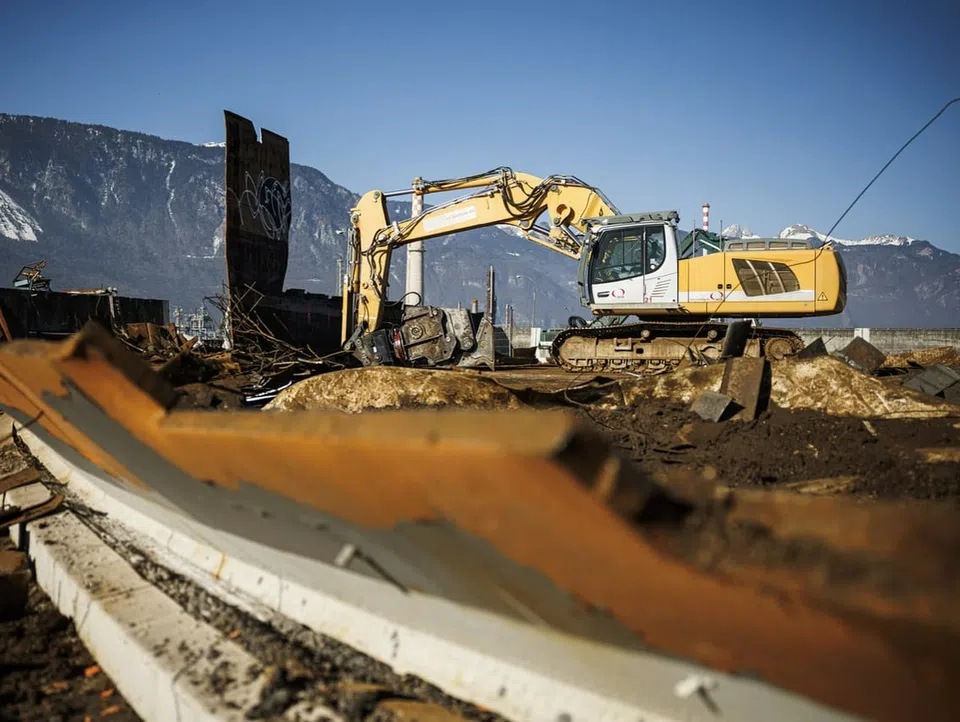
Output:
x,y
630,261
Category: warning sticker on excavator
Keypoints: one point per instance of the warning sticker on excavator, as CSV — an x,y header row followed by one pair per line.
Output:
x,y
822,296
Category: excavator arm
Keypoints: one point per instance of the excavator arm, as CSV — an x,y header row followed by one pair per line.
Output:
x,y
502,197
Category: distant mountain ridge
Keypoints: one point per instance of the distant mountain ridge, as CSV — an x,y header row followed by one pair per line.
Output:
x,y
113,207
800,230
803,231
145,214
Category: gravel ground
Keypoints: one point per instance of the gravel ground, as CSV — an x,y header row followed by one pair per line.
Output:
x,y
303,668
46,673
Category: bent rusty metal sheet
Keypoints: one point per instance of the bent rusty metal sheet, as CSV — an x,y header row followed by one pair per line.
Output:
x,y
454,502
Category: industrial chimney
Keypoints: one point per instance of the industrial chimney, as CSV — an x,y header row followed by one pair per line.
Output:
x,y
491,310
706,216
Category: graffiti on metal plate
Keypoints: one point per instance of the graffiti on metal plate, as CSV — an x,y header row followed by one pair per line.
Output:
x,y
268,200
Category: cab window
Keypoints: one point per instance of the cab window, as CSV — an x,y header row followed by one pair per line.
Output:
x,y
628,253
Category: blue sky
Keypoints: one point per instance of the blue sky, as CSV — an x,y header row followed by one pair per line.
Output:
x,y
775,113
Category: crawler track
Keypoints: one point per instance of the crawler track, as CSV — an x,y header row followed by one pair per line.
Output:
x,y
657,347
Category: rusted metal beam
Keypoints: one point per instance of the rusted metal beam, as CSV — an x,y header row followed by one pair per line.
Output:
x,y
539,503
3,327
12,515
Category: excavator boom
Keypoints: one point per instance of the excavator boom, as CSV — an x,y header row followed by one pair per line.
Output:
x,y
502,197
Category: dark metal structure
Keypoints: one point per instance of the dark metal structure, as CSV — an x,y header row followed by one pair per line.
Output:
x,y
259,208
57,314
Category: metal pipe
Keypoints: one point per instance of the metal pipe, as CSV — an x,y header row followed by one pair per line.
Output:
x,y
414,289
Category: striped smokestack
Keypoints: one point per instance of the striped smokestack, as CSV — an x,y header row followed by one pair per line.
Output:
x,y
706,216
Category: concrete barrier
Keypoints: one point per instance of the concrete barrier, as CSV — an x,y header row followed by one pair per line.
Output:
x,y
888,340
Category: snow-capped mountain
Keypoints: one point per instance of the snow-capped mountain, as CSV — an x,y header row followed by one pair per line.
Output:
x,y
15,223
799,230
884,240
803,231
735,231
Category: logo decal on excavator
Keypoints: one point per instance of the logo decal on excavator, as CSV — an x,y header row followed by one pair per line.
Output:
x,y
450,218
618,293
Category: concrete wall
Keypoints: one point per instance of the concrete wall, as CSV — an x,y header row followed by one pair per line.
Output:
x,y
888,340
524,336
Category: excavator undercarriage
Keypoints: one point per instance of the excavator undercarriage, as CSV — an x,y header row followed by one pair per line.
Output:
x,y
443,337
656,347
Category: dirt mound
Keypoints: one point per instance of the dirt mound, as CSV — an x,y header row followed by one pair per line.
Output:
x,y
682,386
946,355
821,384
382,387
829,385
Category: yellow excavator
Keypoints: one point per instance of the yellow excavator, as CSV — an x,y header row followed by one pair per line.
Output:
x,y
630,265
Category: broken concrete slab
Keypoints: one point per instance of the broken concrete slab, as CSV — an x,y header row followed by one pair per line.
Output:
x,y
934,381
952,394
711,405
813,349
862,355
828,384
743,381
